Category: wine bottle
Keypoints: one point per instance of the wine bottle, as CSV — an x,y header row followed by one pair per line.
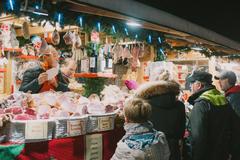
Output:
x,y
93,60
109,59
101,61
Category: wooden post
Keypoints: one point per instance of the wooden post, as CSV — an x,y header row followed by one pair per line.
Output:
x,y
8,79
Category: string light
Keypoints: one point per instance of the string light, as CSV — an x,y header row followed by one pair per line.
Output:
x,y
149,38
59,18
126,31
114,29
161,51
81,21
159,40
99,26
136,36
11,4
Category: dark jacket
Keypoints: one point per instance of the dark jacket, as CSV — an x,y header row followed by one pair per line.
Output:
x,y
168,114
210,131
30,81
233,96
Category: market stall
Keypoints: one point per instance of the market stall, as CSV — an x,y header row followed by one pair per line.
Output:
x,y
84,123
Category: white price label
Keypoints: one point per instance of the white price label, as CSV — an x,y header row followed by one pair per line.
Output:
x,y
36,130
85,65
92,62
105,123
110,62
93,147
75,127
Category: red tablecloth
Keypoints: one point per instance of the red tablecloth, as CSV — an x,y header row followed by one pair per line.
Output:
x,y
69,148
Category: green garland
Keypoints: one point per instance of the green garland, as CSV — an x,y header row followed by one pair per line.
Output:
x,y
93,85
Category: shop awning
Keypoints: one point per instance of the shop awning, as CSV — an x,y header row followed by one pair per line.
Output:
x,y
170,23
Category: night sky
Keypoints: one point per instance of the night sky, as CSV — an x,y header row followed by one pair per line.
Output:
x,y
219,16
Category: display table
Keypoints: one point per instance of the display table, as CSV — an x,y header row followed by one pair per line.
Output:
x,y
74,148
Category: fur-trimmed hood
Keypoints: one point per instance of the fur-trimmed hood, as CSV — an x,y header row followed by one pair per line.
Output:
x,y
157,88
160,94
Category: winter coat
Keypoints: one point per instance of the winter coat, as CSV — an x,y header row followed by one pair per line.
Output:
x,y
30,81
233,96
210,120
168,114
142,142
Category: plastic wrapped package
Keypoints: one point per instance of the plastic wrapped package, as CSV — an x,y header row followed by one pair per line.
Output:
x,y
30,131
99,123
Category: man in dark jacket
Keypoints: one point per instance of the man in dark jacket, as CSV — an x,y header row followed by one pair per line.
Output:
x,y
209,120
168,114
227,81
36,80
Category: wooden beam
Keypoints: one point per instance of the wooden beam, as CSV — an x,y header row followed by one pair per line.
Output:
x,y
40,30
77,7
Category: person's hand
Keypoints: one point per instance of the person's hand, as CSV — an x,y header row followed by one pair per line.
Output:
x,y
53,82
43,77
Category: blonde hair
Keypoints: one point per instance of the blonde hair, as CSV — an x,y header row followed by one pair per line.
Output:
x,y
137,110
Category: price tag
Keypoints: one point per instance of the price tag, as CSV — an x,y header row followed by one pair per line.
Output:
x,y
110,62
92,62
36,130
105,123
75,127
84,65
93,147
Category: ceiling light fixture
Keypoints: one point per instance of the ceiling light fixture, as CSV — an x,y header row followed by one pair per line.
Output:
x,y
133,24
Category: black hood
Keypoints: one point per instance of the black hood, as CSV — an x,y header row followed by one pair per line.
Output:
x,y
161,94
164,101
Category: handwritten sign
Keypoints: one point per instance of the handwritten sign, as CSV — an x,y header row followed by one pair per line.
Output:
x,y
75,127
93,147
36,130
105,123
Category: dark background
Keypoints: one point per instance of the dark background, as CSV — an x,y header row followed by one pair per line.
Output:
x,y
219,16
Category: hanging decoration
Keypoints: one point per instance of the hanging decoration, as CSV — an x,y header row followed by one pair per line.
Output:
x,y
109,26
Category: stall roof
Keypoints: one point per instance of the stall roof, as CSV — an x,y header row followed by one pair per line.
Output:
x,y
165,21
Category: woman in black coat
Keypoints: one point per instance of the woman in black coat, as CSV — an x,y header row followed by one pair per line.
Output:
x,y
168,114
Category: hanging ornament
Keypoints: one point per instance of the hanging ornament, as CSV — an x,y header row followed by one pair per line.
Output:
x,y
25,30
